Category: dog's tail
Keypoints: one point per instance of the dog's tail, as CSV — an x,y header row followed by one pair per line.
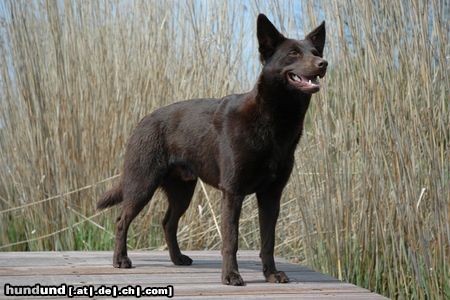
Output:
x,y
111,197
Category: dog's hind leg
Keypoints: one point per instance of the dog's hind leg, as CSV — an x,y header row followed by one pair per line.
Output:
x,y
136,195
179,193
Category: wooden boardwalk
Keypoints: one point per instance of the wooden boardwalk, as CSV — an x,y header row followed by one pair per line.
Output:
x,y
154,269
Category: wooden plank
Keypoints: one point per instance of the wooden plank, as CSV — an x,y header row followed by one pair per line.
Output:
x,y
18,259
261,289
138,267
90,270
196,278
153,268
328,296
40,261
331,296
209,287
108,254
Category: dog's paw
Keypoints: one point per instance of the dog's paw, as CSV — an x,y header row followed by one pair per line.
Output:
x,y
233,278
278,277
182,260
122,262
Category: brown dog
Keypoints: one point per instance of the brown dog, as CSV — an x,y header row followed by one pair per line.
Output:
x,y
240,144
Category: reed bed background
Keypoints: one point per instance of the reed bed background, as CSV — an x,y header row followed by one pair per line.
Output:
x,y
369,198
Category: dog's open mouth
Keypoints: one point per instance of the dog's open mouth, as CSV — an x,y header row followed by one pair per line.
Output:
x,y
308,84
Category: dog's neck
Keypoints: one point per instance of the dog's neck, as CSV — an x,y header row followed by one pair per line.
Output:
x,y
283,105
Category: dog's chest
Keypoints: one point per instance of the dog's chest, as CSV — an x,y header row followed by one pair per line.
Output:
x,y
261,167
257,151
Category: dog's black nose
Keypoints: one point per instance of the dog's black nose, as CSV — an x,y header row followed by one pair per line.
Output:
x,y
322,64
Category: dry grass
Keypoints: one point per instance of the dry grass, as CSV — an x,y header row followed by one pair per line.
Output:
x,y
369,199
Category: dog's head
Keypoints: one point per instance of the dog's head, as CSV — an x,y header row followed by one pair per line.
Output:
x,y
296,63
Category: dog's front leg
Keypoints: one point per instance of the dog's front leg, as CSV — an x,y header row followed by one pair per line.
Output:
x,y
231,210
269,208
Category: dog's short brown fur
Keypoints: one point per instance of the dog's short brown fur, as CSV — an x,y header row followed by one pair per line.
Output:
x,y
240,144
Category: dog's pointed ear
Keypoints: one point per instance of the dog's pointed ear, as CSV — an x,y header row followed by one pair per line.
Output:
x,y
317,37
269,38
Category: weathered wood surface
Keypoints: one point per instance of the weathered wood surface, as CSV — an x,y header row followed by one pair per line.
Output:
x,y
153,268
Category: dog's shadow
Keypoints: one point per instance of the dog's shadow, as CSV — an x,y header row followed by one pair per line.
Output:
x,y
212,266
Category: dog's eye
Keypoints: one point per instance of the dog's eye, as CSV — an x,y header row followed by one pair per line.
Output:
x,y
315,52
294,53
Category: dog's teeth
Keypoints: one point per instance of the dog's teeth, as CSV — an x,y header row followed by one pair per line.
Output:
x,y
310,81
